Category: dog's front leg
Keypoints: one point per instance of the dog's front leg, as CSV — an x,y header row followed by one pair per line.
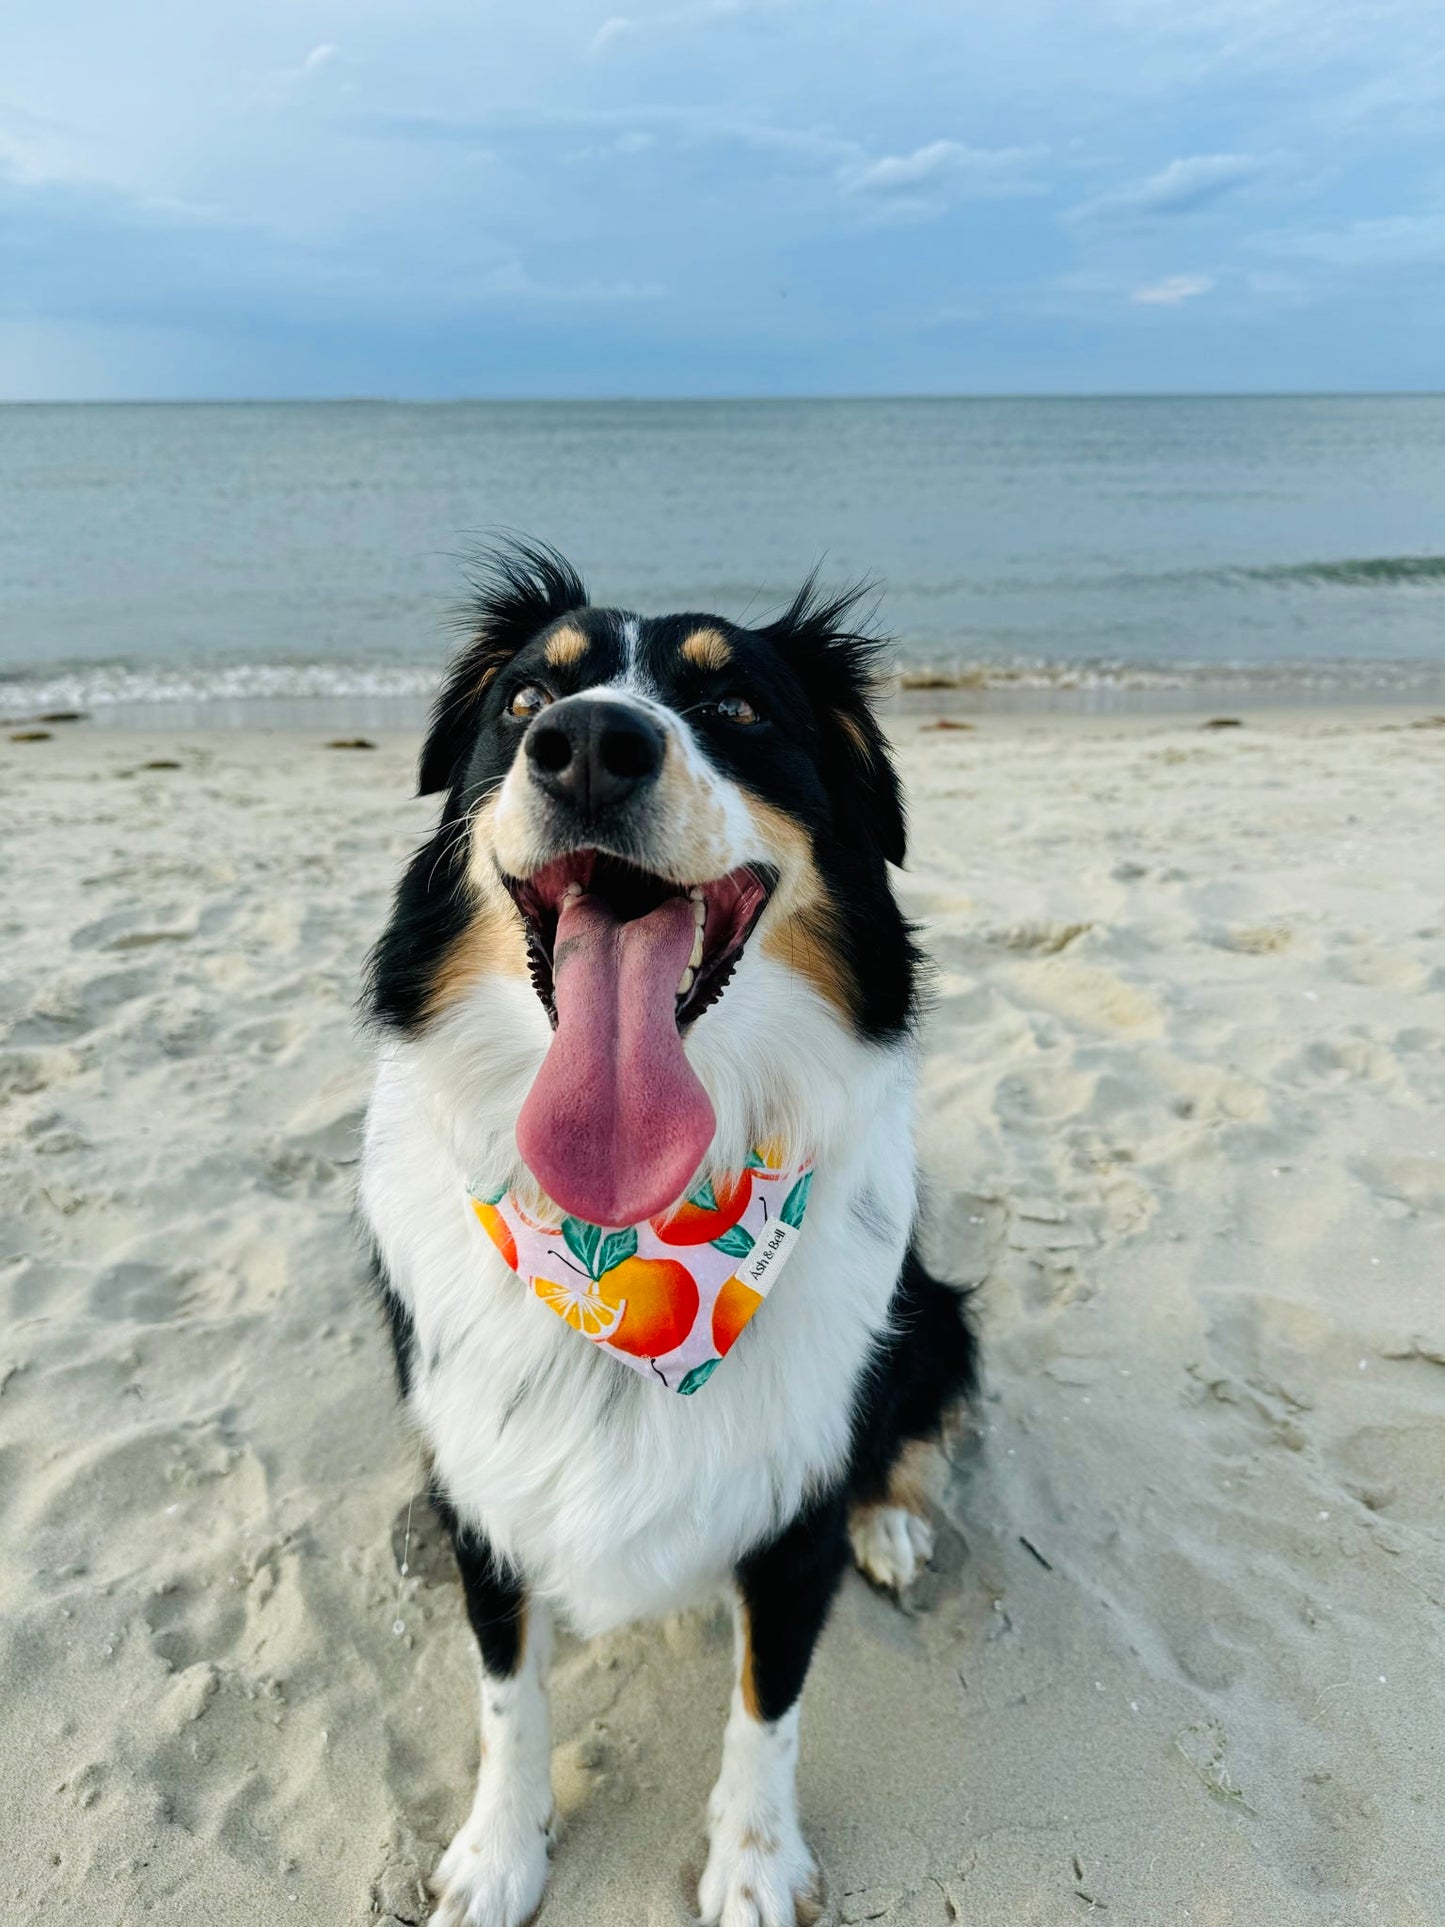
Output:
x,y
493,1873
759,1871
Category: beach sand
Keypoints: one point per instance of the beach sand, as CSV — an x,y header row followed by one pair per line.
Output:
x,y
1179,1655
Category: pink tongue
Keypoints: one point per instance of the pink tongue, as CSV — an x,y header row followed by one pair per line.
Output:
x,y
616,1122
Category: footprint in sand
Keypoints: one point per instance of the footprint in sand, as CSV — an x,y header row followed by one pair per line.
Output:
x,y
69,1007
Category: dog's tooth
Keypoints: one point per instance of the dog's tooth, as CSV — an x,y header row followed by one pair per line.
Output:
x,y
696,958
574,889
685,981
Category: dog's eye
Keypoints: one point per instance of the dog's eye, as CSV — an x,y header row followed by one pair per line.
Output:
x,y
735,709
530,701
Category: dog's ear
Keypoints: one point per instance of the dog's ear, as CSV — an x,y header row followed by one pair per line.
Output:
x,y
517,589
840,664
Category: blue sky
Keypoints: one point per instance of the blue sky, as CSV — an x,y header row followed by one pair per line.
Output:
x,y
720,197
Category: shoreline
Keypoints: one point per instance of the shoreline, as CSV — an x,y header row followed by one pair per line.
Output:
x,y
381,722
970,702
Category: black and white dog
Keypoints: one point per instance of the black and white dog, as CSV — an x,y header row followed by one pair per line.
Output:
x,y
595,760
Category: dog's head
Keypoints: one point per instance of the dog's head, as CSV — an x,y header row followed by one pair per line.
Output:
x,y
636,808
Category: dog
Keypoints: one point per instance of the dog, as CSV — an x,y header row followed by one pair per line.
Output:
x,y
650,962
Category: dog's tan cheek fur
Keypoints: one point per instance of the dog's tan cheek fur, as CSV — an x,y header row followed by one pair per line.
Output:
x,y
509,837
697,843
492,943
800,931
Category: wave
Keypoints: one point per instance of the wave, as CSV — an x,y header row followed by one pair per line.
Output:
x,y
1365,572
1343,677
235,692
87,686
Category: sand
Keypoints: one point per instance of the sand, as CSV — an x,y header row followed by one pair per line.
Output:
x,y
1179,1658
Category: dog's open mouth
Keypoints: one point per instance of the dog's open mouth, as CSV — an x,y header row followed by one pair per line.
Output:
x,y
617,1122
723,913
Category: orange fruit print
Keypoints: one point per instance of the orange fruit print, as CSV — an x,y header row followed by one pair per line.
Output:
x,y
709,1211
735,1305
658,1300
497,1229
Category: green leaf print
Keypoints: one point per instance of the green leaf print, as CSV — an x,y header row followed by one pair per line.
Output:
x,y
736,1242
705,1198
796,1202
699,1375
616,1247
582,1242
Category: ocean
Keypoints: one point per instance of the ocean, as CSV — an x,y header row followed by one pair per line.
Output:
x,y
258,562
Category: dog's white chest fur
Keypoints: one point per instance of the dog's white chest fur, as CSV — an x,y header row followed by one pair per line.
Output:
x,y
617,1497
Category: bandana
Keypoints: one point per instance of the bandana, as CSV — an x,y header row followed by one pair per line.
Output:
x,y
669,1296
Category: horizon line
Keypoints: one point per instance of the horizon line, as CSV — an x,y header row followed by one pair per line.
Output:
x,y
721,401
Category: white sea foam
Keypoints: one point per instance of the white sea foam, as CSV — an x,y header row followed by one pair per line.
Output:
x,y
236,693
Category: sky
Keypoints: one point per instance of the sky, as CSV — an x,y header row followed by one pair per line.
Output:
x,y
254,198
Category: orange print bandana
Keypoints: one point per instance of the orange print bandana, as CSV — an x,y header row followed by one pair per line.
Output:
x,y
668,1296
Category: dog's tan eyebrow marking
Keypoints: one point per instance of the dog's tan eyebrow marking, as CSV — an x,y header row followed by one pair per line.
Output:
x,y
568,645
707,649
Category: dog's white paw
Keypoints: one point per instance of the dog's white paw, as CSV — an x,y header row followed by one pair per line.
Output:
x,y
755,1878
890,1544
493,1873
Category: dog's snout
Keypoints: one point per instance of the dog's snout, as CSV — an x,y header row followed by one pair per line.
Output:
x,y
592,754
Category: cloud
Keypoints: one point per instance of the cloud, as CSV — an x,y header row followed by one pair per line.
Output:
x,y
452,175
1392,240
922,185
281,84
1185,186
626,26
618,27
1171,292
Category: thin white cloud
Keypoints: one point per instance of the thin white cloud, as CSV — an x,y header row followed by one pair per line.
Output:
x,y
1185,186
618,27
281,84
627,26
1392,240
1173,291
924,184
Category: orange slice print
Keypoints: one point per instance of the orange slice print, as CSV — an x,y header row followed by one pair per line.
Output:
x,y
577,1304
769,1157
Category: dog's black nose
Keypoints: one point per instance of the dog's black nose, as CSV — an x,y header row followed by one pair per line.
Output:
x,y
594,754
